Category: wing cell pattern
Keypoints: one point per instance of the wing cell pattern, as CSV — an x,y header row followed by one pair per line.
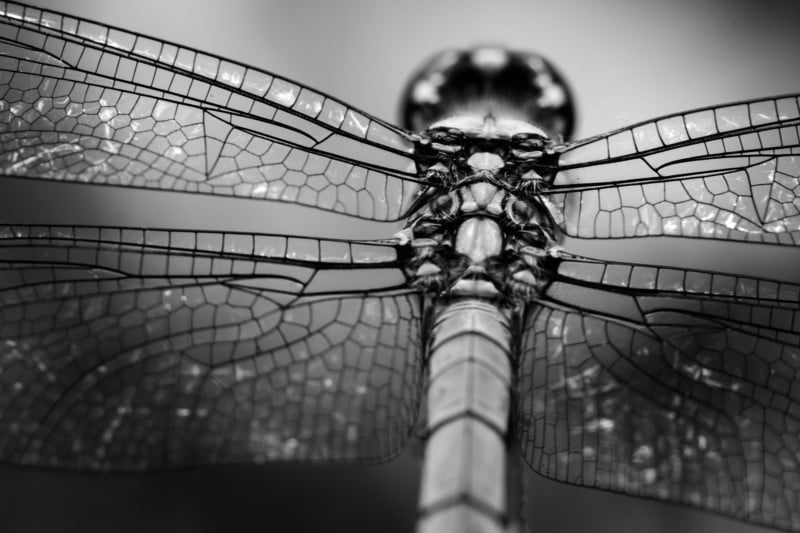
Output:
x,y
132,349
667,384
729,173
114,357
80,101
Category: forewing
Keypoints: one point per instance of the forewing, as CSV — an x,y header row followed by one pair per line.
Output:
x,y
668,384
730,172
80,101
129,349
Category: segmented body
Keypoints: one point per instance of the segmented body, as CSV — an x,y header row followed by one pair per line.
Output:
x,y
479,245
167,346
468,398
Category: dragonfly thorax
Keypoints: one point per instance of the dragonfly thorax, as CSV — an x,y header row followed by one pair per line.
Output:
x,y
480,229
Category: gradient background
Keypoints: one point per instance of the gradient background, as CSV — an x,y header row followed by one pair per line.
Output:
x,y
626,60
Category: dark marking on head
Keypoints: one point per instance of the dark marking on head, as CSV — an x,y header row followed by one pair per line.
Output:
x,y
489,80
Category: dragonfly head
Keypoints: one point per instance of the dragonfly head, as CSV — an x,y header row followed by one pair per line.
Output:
x,y
489,79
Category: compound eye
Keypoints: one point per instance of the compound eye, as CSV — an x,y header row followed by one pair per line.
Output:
x,y
519,212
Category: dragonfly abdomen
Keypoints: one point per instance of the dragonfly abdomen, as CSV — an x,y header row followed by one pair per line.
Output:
x,y
468,398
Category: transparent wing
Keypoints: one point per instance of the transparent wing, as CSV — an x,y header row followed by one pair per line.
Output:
x,y
730,172
665,383
127,349
80,101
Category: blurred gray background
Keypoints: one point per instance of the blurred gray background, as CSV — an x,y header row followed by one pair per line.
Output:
x,y
626,60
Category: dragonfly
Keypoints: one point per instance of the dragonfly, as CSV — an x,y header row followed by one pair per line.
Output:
x,y
232,250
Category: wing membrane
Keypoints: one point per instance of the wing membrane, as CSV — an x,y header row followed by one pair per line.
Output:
x,y
80,101
134,350
729,172
671,384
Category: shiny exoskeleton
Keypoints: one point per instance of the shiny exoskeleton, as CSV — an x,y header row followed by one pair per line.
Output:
x,y
481,244
480,228
662,362
511,83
